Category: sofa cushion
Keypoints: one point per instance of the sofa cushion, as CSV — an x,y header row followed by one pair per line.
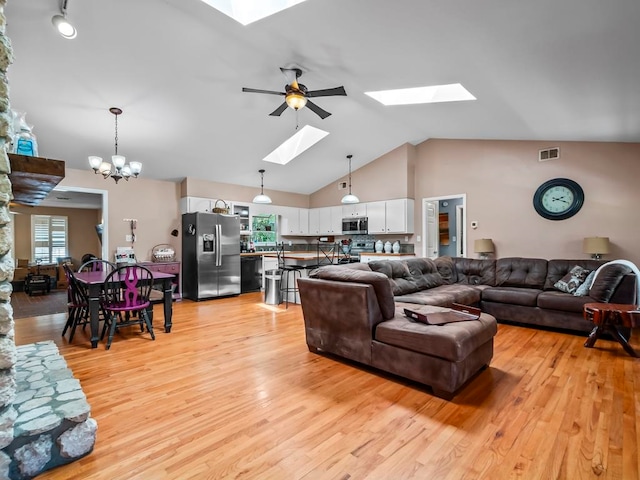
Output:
x,y
565,302
452,341
572,280
558,268
514,295
398,275
583,290
607,280
471,271
444,295
521,272
378,281
446,269
424,273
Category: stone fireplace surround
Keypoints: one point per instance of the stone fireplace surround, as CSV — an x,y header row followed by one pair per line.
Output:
x,y
44,416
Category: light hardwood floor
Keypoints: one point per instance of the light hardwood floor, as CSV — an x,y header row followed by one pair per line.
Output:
x,y
233,392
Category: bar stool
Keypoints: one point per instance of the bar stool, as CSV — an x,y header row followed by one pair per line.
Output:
x,y
287,272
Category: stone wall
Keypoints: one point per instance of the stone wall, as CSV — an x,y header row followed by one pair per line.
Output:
x,y
8,353
44,415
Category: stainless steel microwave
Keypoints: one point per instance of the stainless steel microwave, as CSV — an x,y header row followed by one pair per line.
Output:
x,y
355,226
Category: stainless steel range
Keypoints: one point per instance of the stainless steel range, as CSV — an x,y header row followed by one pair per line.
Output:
x,y
359,247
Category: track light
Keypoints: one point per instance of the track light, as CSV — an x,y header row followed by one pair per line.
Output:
x,y
63,26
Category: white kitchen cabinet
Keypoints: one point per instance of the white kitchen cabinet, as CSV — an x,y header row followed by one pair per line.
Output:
x,y
314,221
354,210
336,220
366,258
399,215
200,204
325,220
376,213
294,221
391,216
303,221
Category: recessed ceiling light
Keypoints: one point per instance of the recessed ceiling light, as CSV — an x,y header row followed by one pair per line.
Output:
x,y
295,145
454,92
248,11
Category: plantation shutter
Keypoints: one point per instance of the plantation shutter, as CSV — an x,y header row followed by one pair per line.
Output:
x,y
49,237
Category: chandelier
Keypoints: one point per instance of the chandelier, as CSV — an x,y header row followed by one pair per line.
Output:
x,y
119,169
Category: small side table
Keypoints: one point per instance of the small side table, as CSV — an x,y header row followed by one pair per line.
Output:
x,y
607,317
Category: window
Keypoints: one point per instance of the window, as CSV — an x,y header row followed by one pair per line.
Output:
x,y
48,238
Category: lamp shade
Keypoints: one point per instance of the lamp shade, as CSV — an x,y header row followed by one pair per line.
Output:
x,y
595,245
483,245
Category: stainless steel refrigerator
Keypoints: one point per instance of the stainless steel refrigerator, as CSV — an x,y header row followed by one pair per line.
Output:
x,y
210,255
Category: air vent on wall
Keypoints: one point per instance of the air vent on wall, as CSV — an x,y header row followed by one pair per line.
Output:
x,y
342,185
549,154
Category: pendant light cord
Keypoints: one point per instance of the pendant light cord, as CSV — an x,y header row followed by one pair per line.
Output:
x,y
349,157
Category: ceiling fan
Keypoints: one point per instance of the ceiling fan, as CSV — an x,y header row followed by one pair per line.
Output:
x,y
296,94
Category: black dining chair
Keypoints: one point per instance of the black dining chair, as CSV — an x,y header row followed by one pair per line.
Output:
x,y
97,265
126,299
77,304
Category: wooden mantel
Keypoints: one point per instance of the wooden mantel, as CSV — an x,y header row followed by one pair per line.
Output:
x,y
32,178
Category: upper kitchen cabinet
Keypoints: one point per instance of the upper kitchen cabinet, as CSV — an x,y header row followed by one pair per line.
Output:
x,y
354,210
294,221
325,221
196,204
202,205
391,216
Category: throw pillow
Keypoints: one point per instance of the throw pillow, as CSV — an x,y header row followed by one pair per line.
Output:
x,y
583,290
607,280
572,280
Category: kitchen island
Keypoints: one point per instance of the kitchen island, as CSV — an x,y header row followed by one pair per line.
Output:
x,y
302,259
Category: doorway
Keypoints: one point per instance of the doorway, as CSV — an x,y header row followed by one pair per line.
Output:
x,y
81,197
443,226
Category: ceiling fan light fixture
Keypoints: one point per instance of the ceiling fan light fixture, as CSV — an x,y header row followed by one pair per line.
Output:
x,y
350,197
261,197
296,100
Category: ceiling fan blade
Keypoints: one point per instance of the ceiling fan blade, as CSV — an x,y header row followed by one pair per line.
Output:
x,y
291,75
255,90
327,92
317,110
278,111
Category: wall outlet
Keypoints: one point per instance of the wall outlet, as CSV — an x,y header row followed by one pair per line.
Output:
x,y
128,238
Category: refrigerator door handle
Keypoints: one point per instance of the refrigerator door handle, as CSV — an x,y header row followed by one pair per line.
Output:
x,y
218,245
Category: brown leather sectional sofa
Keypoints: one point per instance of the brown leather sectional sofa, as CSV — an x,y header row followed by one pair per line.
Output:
x,y
356,310
514,289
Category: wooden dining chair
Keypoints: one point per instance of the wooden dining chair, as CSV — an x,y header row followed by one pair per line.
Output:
x,y
77,304
126,299
97,265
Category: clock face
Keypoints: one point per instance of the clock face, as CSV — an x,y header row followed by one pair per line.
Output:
x,y
558,199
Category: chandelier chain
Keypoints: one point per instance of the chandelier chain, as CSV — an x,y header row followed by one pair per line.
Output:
x,y
116,137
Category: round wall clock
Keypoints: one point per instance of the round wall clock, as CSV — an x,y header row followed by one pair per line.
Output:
x,y
558,199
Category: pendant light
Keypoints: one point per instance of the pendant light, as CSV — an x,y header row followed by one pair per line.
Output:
x,y
262,198
120,170
350,197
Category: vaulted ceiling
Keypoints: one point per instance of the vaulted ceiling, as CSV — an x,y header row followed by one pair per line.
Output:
x,y
543,70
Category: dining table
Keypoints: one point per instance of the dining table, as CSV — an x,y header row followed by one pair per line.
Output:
x,y
94,282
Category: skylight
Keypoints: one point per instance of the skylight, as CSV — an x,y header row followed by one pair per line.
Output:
x,y
248,11
454,92
295,145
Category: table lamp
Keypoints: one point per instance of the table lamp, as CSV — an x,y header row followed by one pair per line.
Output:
x,y
483,246
596,246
